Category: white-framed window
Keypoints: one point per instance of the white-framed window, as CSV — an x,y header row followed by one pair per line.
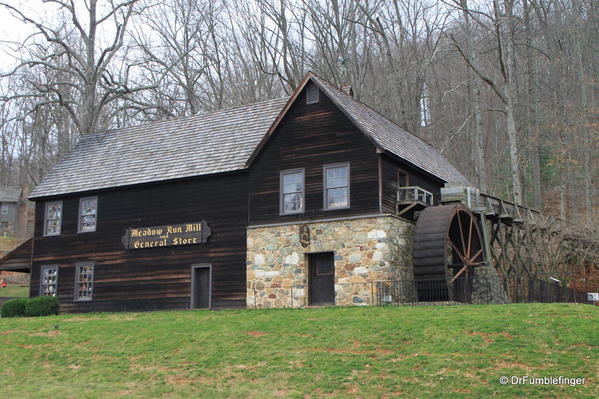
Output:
x,y
84,281
336,186
49,280
88,214
291,191
53,218
4,209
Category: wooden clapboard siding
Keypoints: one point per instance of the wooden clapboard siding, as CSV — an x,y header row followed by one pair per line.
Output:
x,y
390,167
19,259
309,137
155,277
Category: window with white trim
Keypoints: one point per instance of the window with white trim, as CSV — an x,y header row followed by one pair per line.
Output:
x,y
336,186
292,192
53,219
84,281
88,211
49,280
4,209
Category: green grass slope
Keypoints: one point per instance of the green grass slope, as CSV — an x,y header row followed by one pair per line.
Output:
x,y
411,352
13,290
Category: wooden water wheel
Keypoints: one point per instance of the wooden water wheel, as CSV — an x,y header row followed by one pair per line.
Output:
x,y
447,245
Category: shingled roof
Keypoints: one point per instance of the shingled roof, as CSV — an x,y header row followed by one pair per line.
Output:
x,y
220,141
202,144
391,137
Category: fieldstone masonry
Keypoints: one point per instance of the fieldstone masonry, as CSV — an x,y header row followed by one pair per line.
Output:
x,y
487,288
366,250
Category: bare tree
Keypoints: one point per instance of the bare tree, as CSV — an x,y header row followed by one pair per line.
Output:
x,y
73,48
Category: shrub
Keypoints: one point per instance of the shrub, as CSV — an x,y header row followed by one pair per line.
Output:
x,y
14,307
41,306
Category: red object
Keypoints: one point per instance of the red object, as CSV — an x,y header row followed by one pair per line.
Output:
x,y
3,284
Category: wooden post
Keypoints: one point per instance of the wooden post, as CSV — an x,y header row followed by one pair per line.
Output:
x,y
486,243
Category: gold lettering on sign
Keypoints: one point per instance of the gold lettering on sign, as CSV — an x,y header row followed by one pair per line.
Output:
x,y
173,230
165,236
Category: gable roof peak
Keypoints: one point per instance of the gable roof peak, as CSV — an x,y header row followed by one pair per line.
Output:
x,y
386,135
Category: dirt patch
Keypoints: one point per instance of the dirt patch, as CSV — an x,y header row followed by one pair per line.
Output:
x,y
8,332
178,380
508,365
408,356
52,333
395,394
255,333
79,318
488,337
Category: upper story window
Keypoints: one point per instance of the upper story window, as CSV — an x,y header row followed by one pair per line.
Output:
x,y
292,191
336,186
49,280
53,218
88,211
312,94
4,209
84,281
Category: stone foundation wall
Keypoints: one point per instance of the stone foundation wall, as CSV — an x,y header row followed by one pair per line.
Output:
x,y
487,288
365,250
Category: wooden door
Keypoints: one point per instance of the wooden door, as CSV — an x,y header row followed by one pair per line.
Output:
x,y
201,287
321,279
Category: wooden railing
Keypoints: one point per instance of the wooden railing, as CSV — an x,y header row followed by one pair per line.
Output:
x,y
490,205
414,194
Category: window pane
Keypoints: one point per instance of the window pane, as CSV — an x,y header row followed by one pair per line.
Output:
x,y
337,177
53,216
87,219
49,278
54,211
292,192
337,197
88,223
85,282
292,202
53,227
292,183
88,207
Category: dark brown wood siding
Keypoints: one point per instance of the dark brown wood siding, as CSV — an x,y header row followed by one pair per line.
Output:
x,y
309,137
390,167
153,278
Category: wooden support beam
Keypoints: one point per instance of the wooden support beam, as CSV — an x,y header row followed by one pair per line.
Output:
x,y
486,242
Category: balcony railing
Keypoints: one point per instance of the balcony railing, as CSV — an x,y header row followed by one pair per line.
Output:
x,y
414,194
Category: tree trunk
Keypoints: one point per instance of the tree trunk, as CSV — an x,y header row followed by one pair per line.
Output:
x,y
507,46
533,133
474,92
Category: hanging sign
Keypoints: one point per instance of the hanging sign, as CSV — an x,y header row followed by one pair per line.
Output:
x,y
304,235
170,235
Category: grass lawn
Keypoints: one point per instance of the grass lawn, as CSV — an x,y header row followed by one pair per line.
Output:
x,y
14,290
411,352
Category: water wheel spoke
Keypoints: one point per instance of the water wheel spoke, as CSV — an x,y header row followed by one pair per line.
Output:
x,y
470,228
458,274
461,232
476,255
457,251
